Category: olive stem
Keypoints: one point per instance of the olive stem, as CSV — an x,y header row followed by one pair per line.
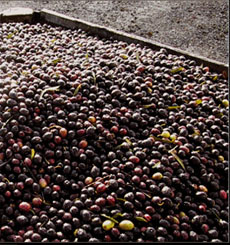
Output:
x,y
4,163
5,123
99,180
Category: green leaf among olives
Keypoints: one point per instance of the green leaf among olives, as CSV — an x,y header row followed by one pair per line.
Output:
x,y
198,101
161,140
117,215
32,154
77,90
141,219
55,61
173,107
110,218
121,199
56,88
124,56
172,151
5,123
178,69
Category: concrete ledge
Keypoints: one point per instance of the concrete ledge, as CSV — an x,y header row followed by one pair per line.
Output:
x,y
17,15
53,17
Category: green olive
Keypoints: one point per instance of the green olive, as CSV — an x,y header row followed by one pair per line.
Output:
x,y
225,103
108,225
165,134
126,225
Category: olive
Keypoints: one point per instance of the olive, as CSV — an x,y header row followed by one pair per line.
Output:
x,y
126,225
108,225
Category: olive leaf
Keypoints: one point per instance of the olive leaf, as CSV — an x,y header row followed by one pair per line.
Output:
x,y
46,203
85,62
34,178
149,90
199,101
110,218
32,154
177,206
43,223
55,61
4,163
177,69
138,57
5,179
56,88
121,199
128,141
196,132
156,165
117,215
109,74
5,123
220,114
141,219
10,35
123,83
177,158
57,75
176,220
148,106
24,73
118,147
204,82
217,216
75,232
162,140
215,78
47,161
77,90
124,56
94,78
102,178
173,107
149,196
55,126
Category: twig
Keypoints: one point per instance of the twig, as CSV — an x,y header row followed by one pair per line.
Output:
x,y
99,180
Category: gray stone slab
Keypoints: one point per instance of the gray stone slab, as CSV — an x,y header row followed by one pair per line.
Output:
x,y
17,15
17,11
58,19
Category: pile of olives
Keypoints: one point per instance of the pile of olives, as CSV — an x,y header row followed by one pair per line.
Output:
x,y
103,141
